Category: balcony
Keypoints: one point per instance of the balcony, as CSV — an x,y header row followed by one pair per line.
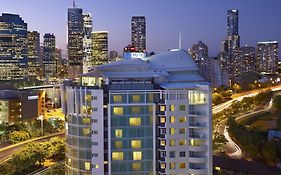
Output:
x,y
197,159
198,148
197,125
194,170
197,136
197,113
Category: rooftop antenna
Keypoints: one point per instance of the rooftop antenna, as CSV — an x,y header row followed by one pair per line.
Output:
x,y
74,5
180,40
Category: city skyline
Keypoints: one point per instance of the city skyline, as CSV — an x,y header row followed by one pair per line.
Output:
x,y
208,21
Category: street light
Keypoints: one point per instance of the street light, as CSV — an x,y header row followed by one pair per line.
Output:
x,y
41,117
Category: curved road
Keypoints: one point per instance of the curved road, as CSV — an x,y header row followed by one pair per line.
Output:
x,y
7,152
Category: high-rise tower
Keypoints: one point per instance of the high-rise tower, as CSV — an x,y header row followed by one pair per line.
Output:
x,y
49,55
87,42
138,29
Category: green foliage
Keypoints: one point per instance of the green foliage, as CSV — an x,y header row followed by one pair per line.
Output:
x,y
219,142
263,96
6,168
217,98
58,169
19,136
56,149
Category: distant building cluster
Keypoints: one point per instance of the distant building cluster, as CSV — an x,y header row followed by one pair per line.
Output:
x,y
234,63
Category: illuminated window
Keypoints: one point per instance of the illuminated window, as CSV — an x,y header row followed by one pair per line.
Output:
x,y
86,131
163,108
86,120
136,98
117,98
135,110
117,110
135,121
117,156
172,108
118,144
182,119
182,130
87,166
163,142
182,165
150,109
172,119
163,120
88,98
136,144
137,155
150,98
182,108
172,142
118,133
163,165
96,166
172,131
182,142
172,165
136,166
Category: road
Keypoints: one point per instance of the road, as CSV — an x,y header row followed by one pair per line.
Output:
x,y
7,152
232,149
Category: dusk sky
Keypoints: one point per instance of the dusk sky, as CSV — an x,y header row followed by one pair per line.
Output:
x,y
204,20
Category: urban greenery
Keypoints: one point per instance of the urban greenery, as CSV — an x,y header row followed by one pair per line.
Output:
x,y
58,169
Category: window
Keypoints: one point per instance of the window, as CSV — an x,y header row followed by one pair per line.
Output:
x,y
118,133
95,143
172,119
135,110
117,156
136,144
162,108
95,109
182,154
172,165
86,120
86,131
95,98
137,155
182,119
163,154
172,131
136,98
162,131
96,166
95,155
118,144
182,108
163,120
163,142
182,130
182,165
87,166
95,121
172,142
117,110
172,108
95,132
117,98
163,165
135,121
182,142
172,154
136,166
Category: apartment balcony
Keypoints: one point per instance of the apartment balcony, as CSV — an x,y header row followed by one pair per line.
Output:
x,y
197,125
195,159
198,148
197,136
193,170
197,113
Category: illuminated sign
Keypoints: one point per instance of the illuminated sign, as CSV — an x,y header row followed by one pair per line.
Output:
x,y
35,97
133,55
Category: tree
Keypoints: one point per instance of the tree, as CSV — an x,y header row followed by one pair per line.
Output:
x,y
270,151
6,168
58,169
219,142
19,136
56,149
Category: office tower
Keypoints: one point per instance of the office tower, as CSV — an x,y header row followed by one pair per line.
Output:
x,y
75,41
223,57
138,29
267,57
244,62
214,72
100,48
130,52
13,45
140,116
200,54
232,40
87,42
112,56
34,54
49,56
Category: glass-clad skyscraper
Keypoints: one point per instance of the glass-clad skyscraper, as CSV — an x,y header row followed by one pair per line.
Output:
x,y
138,33
139,117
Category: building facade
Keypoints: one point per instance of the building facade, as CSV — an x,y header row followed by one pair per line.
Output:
x,y
199,53
49,56
34,54
138,33
100,48
267,57
87,42
75,41
140,116
13,44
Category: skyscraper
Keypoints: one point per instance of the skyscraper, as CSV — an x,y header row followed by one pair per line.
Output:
x,y
75,41
232,22
140,116
13,44
112,56
100,48
87,42
34,54
138,29
200,55
49,55
267,57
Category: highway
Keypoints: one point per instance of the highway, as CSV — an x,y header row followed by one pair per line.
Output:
x,y
7,152
232,149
